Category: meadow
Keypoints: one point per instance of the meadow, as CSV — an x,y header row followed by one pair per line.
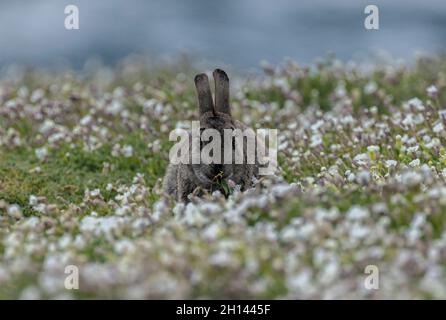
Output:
x,y
361,183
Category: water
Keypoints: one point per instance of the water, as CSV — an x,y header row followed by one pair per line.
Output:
x,y
239,33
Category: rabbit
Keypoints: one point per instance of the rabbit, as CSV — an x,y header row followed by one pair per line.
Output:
x,y
182,179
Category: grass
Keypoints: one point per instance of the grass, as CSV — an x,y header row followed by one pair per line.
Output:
x,y
335,206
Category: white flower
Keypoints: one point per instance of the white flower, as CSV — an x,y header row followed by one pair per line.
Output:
x,y
209,207
14,211
411,178
37,95
127,151
40,207
357,213
95,193
85,121
123,246
30,223
300,281
379,207
47,126
192,216
107,225
410,120
122,211
88,223
390,163
418,220
363,177
432,91
64,241
316,140
115,107
222,258
282,190
347,120
361,159
315,126
417,103
282,83
33,200
212,232
289,233
414,163
359,231
442,113
306,231
329,272
373,148
41,153
351,177
438,127
370,87
413,149
435,142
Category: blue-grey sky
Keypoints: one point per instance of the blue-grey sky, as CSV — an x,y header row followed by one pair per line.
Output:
x,y
239,33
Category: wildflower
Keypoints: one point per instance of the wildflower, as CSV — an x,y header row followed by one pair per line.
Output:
x,y
361,159
41,153
370,87
357,213
15,212
390,163
359,231
37,95
411,178
33,200
379,207
414,163
127,151
316,140
363,177
413,149
432,91
85,121
289,233
282,190
212,232
373,148
435,142
438,127
417,103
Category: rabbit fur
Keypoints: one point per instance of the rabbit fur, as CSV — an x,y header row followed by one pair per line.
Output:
x,y
182,179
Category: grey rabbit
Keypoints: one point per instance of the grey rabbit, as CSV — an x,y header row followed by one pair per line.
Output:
x,y
182,179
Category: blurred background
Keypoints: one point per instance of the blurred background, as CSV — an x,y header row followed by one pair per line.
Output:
x,y
238,33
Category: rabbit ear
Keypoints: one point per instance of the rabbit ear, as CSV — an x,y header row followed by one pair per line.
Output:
x,y
205,102
221,91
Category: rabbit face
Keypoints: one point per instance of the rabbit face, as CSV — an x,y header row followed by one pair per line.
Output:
x,y
214,172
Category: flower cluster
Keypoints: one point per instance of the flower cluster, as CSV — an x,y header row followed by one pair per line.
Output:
x,y
361,182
